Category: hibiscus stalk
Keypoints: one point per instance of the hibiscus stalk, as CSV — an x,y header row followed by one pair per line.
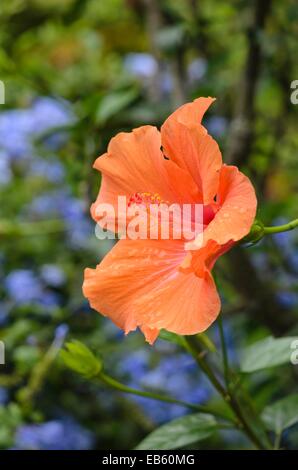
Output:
x,y
115,384
224,353
198,353
229,375
281,228
259,230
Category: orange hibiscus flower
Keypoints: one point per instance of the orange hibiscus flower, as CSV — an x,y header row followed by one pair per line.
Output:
x,y
167,284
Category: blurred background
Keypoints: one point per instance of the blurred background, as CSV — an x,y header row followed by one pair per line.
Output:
x,y
76,72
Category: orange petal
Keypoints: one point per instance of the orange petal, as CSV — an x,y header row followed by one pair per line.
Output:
x,y
237,204
186,304
150,334
186,142
190,114
130,269
135,163
202,260
139,284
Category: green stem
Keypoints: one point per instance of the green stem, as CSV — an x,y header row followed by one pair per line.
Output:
x,y
226,426
258,231
230,376
277,440
39,374
198,355
232,402
224,352
281,228
111,382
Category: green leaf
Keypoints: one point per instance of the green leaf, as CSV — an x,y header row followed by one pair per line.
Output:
x,y
113,103
180,432
10,419
172,337
282,414
270,352
207,342
79,358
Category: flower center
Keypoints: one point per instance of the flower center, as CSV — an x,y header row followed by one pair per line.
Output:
x,y
146,199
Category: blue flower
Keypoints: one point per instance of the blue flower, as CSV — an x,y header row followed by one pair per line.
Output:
x,y
5,169
49,299
287,299
136,364
4,311
197,69
20,127
23,286
52,275
62,205
140,64
175,374
16,127
166,82
60,434
60,335
50,170
61,331
50,113
217,126
294,261
3,396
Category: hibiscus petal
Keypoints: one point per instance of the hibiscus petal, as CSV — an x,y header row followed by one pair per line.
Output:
x,y
186,142
134,163
186,304
139,284
237,204
190,114
204,259
150,334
